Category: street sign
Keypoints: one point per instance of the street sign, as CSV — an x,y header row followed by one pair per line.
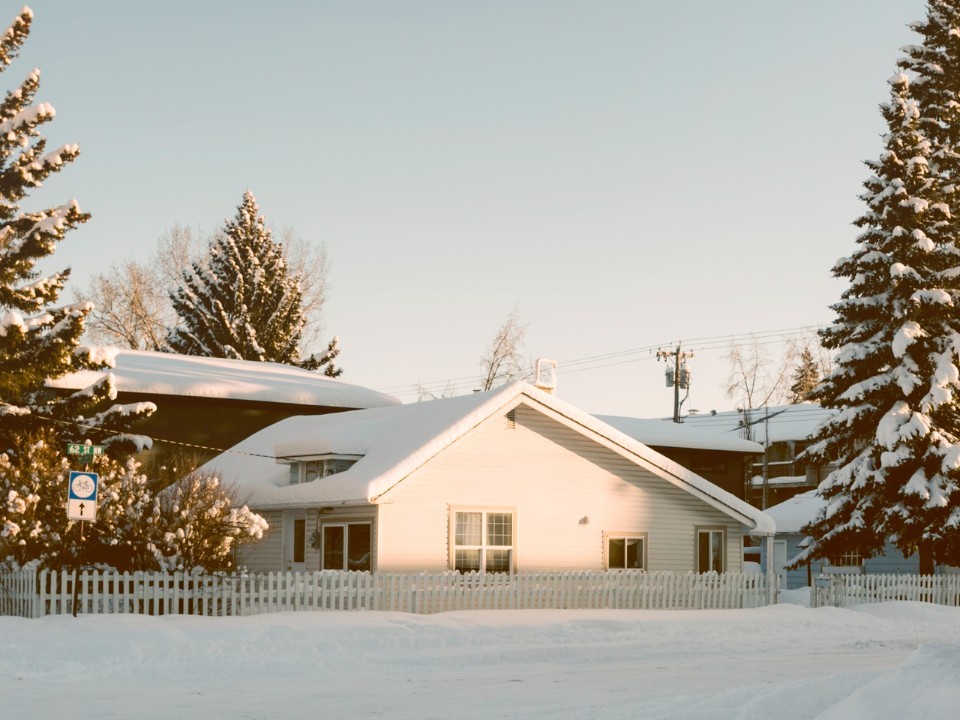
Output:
x,y
82,496
84,450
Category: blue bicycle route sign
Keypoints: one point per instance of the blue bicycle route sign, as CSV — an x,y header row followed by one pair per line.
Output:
x,y
82,496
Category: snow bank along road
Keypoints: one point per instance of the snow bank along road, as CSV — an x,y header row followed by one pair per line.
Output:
x,y
786,662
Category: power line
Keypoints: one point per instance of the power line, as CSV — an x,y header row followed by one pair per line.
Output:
x,y
618,357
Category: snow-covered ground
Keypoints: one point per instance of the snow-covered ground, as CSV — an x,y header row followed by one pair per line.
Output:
x,y
785,662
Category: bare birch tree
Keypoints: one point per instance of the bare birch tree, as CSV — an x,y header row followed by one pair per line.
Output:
x,y
757,379
503,360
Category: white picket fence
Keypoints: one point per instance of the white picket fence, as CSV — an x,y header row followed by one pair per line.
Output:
x,y
35,594
846,590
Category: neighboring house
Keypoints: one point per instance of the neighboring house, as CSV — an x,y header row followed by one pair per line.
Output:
x,y
784,431
511,479
214,403
724,459
793,514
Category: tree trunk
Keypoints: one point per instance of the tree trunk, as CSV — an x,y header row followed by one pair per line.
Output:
x,y
925,551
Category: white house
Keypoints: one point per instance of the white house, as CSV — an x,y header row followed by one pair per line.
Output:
x,y
512,479
506,480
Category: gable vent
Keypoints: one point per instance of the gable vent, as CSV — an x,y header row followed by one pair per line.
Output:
x,y
512,419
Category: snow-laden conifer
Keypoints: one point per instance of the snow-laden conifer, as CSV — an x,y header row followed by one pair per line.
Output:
x,y
806,377
39,339
240,301
933,67
895,381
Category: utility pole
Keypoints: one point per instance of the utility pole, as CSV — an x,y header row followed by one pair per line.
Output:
x,y
677,376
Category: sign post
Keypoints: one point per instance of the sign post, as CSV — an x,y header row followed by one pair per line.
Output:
x,y
82,498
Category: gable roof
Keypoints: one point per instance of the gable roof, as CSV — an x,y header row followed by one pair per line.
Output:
x,y
395,441
158,373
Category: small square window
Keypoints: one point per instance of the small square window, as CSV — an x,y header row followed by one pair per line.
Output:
x,y
626,551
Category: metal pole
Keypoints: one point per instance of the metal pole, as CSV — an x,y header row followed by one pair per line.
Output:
x,y
676,386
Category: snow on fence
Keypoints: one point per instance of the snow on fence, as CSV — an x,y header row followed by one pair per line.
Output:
x,y
35,594
847,590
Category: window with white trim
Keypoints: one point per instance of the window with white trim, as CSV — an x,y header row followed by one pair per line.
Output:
x,y
483,540
625,551
711,550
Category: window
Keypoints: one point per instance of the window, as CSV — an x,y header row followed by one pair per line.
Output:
x,y
483,541
310,470
626,551
346,546
711,554
848,558
299,540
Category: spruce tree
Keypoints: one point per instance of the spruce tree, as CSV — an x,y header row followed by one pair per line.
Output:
x,y
40,340
805,377
240,301
896,378
933,66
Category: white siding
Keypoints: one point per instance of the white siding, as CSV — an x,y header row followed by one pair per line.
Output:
x,y
566,489
265,555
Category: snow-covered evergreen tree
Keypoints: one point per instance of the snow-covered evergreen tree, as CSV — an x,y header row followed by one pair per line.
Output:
x,y
240,301
933,67
38,339
896,378
806,377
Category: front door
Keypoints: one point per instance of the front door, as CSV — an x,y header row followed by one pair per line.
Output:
x,y
295,540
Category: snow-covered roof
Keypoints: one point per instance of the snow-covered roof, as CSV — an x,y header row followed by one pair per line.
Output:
x,y
395,441
666,433
157,373
782,422
793,514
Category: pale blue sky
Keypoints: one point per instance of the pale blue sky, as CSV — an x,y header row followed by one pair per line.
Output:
x,y
627,174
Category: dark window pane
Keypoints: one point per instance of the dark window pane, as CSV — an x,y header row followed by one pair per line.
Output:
x,y
498,561
615,554
634,554
333,537
467,560
299,540
358,547
703,554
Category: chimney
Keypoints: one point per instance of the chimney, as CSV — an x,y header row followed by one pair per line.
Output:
x,y
546,375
